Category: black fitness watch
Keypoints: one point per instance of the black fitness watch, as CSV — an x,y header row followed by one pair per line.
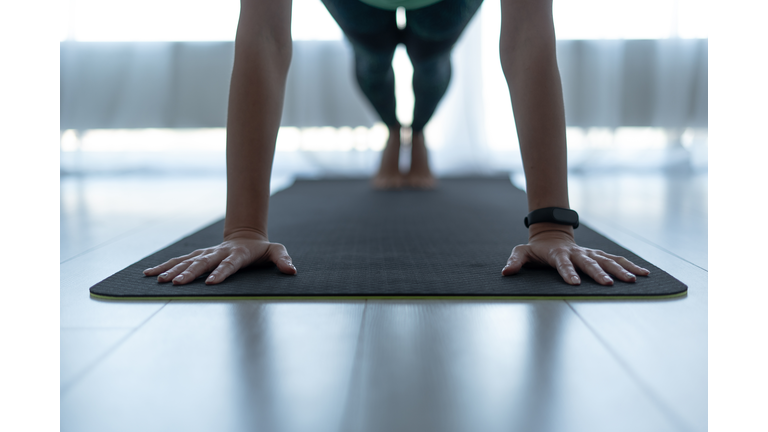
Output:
x,y
556,215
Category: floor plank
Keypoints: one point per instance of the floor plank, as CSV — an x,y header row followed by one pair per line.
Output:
x,y
227,366
83,348
490,366
97,209
662,342
669,211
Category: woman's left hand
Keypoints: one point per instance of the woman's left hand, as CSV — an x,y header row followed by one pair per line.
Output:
x,y
558,249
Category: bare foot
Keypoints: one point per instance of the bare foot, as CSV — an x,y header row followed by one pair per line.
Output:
x,y
420,176
389,176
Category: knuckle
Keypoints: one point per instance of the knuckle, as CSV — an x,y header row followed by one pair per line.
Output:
x,y
592,254
560,253
603,260
227,265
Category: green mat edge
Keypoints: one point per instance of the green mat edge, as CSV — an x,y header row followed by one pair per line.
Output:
x,y
443,298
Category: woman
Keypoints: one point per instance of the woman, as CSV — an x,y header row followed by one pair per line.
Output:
x,y
527,50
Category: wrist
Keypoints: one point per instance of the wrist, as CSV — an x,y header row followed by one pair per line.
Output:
x,y
549,227
245,233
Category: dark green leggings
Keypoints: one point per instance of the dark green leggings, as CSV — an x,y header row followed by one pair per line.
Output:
x,y
429,36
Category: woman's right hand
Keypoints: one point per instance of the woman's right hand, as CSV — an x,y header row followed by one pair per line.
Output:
x,y
235,252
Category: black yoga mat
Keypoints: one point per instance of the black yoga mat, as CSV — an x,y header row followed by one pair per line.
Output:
x,y
348,240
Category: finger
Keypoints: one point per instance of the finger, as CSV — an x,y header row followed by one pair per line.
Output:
x,y
613,268
627,264
152,271
591,268
172,273
200,265
226,268
566,269
520,255
279,255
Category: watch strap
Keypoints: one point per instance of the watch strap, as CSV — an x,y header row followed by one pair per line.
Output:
x,y
558,215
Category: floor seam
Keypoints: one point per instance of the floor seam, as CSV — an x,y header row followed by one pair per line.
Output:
x,y
133,231
93,364
110,241
644,240
356,364
671,415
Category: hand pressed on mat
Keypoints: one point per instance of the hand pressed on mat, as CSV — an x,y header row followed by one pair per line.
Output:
x,y
557,248
235,252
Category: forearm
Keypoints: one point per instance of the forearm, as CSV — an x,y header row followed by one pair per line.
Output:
x,y
528,59
255,107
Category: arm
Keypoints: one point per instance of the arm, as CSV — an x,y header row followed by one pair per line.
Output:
x,y
262,57
527,50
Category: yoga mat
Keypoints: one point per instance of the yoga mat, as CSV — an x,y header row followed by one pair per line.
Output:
x,y
348,240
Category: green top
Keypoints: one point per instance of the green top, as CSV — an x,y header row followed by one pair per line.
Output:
x,y
394,4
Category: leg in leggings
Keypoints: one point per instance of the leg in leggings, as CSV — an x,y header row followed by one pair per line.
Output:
x,y
430,34
374,36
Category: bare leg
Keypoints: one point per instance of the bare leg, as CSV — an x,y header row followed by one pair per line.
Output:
x,y
389,176
420,176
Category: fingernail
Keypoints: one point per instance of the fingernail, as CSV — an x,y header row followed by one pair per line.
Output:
x,y
179,278
147,270
211,278
575,280
164,275
608,279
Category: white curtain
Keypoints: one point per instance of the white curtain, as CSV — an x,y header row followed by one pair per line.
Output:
x,y
606,83
186,85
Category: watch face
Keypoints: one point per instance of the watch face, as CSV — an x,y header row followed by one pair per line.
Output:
x,y
567,216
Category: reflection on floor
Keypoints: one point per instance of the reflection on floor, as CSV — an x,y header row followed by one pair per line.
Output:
x,y
379,365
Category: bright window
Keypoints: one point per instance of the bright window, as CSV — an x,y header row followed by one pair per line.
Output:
x,y
177,20
195,20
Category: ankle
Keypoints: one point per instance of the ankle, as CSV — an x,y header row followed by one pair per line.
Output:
x,y
393,140
417,139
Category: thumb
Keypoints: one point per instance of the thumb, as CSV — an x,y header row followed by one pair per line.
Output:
x,y
520,255
279,255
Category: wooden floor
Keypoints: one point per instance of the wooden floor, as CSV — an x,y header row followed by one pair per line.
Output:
x,y
379,365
